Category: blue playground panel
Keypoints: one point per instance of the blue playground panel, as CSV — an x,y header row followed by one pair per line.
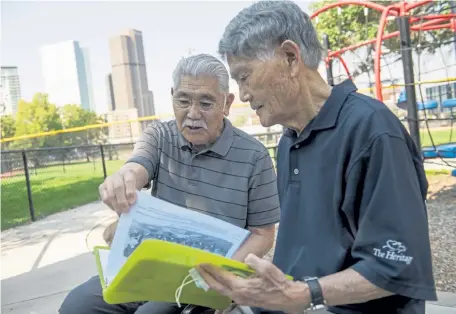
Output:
x,y
447,150
428,105
453,173
429,152
443,150
449,103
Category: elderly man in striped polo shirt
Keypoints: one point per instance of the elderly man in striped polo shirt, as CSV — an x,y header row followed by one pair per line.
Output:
x,y
199,161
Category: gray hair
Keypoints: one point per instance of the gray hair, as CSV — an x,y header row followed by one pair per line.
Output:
x,y
202,64
262,27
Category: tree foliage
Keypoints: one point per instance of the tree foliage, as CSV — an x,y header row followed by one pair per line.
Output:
x,y
352,27
8,126
74,116
39,115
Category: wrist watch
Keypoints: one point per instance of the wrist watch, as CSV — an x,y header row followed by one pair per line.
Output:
x,y
317,301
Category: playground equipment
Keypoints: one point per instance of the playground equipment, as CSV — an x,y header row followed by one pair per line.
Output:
x,y
400,12
428,105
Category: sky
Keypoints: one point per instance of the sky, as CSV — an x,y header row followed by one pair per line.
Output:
x,y
170,29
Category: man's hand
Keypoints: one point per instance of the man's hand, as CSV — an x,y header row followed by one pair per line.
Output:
x,y
268,289
118,191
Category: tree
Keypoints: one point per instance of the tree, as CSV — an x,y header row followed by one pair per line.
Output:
x,y
74,116
352,26
8,128
35,117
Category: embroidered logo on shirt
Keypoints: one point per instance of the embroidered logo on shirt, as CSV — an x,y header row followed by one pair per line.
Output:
x,y
393,251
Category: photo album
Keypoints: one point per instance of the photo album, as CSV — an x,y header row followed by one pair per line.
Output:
x,y
153,218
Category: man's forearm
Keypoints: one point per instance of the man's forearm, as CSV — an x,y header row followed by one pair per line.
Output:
x,y
345,287
141,174
350,287
259,243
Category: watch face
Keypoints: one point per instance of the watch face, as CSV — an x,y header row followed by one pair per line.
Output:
x,y
319,309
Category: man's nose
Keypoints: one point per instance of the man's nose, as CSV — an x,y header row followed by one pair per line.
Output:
x,y
244,95
194,111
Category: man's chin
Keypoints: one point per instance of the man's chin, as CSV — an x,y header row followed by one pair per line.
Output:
x,y
196,139
266,123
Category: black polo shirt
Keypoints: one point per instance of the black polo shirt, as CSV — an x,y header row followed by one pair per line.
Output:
x,y
352,191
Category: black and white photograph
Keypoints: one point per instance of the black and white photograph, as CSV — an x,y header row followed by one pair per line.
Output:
x,y
140,231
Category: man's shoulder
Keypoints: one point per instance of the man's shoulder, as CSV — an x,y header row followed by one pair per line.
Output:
x,y
365,114
245,142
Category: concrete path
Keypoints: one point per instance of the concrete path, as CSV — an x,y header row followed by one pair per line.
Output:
x,y
42,261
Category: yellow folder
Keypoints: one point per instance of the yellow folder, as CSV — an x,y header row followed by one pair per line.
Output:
x,y
155,270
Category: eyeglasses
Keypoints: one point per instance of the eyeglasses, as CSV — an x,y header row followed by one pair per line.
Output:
x,y
185,103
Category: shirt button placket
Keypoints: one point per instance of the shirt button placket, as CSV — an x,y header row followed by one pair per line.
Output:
x,y
294,161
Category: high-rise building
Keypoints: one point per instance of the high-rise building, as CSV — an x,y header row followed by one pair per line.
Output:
x,y
110,93
129,75
10,90
65,71
88,72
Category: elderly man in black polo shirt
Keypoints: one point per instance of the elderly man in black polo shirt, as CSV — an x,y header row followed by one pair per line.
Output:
x,y
352,188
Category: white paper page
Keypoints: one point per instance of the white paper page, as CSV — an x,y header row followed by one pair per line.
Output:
x,y
153,218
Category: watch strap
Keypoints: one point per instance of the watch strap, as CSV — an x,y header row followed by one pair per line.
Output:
x,y
316,293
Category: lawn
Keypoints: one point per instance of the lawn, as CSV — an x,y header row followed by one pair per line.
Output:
x,y
439,136
53,190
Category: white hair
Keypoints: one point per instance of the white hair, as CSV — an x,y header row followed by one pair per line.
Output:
x,y
202,64
262,27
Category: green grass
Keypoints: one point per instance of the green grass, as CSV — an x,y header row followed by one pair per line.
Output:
x,y
53,190
437,172
439,136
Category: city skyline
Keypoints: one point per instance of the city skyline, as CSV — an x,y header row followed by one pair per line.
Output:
x,y
66,74
168,34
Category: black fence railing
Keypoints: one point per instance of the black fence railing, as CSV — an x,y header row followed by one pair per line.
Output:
x,y
39,182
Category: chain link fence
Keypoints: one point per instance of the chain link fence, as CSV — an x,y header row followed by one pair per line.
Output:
x,y
39,182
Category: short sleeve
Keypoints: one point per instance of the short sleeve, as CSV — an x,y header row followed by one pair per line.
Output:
x,y
147,150
391,240
263,207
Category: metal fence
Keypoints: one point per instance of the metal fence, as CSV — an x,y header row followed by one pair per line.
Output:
x,y
38,182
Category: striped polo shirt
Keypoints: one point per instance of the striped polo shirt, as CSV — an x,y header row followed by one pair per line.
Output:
x,y
233,180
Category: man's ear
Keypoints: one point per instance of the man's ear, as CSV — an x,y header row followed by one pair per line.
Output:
x,y
293,55
172,91
228,102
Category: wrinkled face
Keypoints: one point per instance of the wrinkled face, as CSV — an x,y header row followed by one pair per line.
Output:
x,y
267,85
199,107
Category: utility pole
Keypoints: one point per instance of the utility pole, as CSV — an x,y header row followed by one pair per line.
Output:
x,y
409,79
329,71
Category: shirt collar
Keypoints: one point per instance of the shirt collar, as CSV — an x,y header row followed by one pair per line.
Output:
x,y
221,146
328,114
